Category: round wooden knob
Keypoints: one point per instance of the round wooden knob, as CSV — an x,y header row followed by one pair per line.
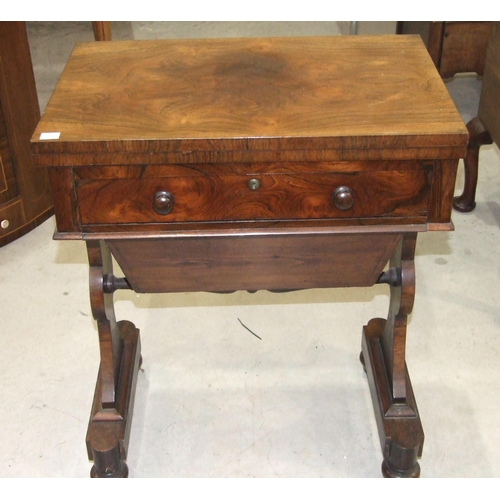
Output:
x,y
343,198
163,202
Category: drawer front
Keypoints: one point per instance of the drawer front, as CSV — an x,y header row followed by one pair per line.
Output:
x,y
238,197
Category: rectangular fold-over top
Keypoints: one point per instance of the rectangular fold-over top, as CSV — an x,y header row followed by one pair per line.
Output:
x,y
212,100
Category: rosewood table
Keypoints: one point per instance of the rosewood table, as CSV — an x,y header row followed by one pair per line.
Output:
x,y
247,164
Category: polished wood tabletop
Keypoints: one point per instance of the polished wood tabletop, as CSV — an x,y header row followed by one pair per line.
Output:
x,y
346,94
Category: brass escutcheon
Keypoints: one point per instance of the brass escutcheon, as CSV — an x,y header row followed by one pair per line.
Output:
x,y
253,184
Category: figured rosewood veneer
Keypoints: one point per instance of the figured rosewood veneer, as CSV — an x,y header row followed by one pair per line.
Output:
x,y
124,195
247,164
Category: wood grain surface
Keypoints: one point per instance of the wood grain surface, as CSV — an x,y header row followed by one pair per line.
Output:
x,y
306,93
280,196
278,262
159,140
25,197
489,105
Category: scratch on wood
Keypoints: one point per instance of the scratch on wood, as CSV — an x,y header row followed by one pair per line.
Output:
x,y
248,329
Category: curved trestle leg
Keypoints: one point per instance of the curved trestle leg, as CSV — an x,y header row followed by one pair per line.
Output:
x,y
383,358
111,415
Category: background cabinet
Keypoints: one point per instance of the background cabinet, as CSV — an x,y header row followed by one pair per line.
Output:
x,y
455,46
25,196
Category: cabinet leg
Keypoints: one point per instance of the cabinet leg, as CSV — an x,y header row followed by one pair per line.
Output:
x,y
478,136
383,357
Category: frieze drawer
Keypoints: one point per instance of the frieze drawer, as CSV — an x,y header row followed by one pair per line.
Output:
x,y
200,198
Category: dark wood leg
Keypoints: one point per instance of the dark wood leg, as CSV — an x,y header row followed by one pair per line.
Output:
x,y
383,357
478,136
102,30
109,427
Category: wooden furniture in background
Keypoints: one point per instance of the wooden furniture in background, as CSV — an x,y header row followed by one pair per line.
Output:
x,y
485,127
25,197
278,164
102,30
454,46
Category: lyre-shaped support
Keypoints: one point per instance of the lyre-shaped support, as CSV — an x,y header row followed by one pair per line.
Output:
x,y
101,303
119,344
383,355
393,340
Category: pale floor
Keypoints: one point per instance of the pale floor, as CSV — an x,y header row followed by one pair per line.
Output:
x,y
215,401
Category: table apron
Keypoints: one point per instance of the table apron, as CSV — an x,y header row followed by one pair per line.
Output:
x,y
269,262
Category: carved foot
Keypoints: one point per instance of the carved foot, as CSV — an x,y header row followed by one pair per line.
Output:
x,y
463,204
107,464
389,471
121,472
109,428
120,348
399,426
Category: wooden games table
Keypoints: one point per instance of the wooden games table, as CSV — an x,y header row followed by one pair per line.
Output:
x,y
249,164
